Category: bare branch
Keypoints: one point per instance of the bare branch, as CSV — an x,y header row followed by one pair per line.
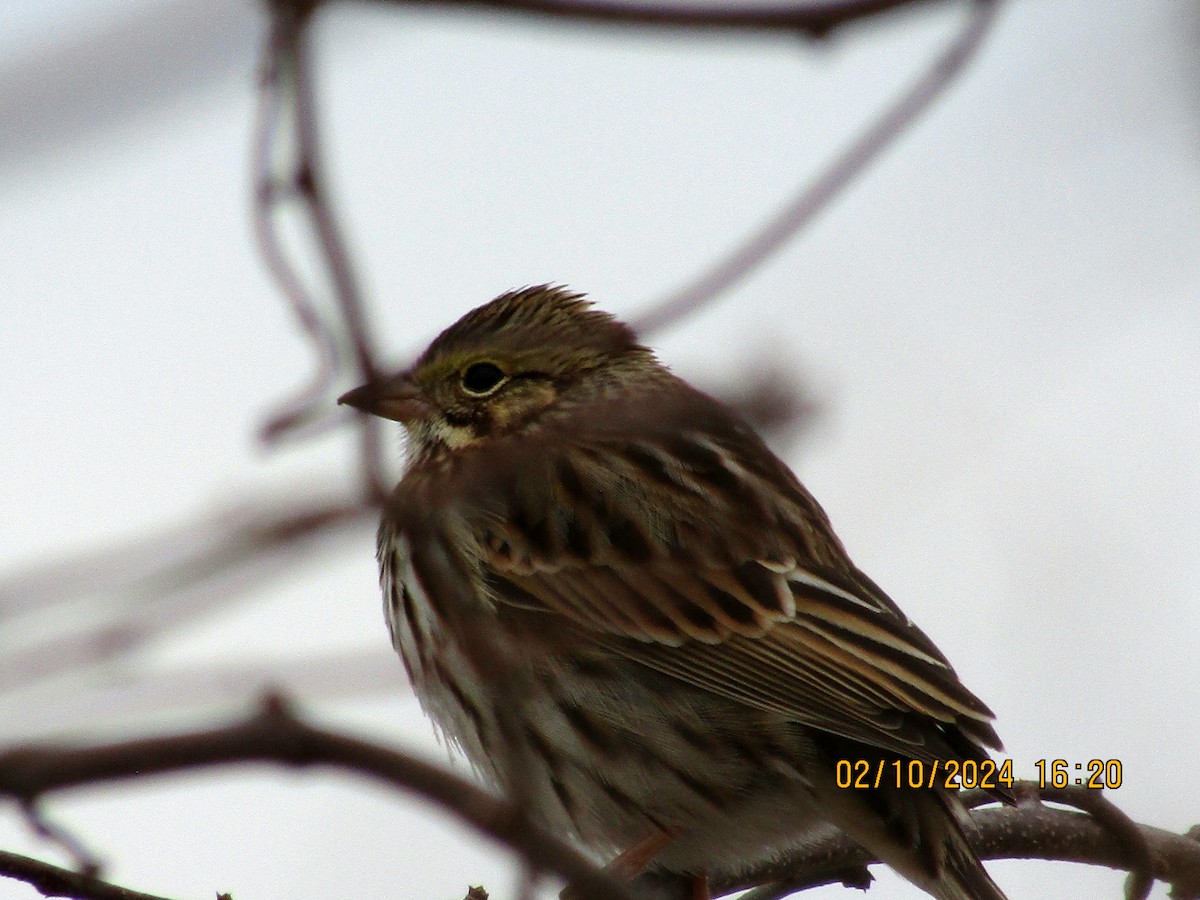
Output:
x,y
774,234
164,581
202,690
85,861
277,736
271,190
53,881
1139,858
816,19
1029,830
289,82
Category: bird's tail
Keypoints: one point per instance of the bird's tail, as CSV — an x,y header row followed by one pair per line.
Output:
x,y
919,832
936,855
963,877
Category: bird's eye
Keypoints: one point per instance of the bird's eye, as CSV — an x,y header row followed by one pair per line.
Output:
x,y
482,378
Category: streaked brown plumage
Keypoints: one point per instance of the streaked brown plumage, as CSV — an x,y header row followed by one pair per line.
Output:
x,y
625,609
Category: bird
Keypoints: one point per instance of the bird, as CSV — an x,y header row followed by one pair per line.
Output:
x,y
631,617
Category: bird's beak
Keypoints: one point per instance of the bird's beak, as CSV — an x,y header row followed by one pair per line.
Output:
x,y
396,398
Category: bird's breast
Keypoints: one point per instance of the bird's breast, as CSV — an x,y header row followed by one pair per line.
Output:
x,y
447,686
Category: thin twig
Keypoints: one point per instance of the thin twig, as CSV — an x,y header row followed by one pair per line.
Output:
x,y
858,877
815,197
812,18
276,102
288,84
290,72
168,581
310,180
197,691
85,861
53,881
1140,861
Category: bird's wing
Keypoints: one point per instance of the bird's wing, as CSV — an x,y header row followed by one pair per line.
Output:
x,y
729,579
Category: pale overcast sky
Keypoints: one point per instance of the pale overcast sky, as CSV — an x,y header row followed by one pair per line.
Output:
x,y
1000,323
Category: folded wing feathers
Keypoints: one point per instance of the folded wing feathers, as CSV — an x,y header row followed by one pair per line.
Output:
x,y
806,641
902,690
885,650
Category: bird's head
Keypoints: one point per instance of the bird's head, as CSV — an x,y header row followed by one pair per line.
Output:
x,y
500,366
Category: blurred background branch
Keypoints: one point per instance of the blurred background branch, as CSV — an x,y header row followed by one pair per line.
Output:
x,y
67,624
1101,835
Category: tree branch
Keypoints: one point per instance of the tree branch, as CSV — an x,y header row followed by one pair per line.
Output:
x,y
815,19
275,735
158,584
53,881
814,198
1032,829
288,85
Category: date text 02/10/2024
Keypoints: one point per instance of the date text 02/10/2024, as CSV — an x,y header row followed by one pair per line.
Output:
x,y
956,774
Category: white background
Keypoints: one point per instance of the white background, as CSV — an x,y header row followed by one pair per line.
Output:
x,y
1000,324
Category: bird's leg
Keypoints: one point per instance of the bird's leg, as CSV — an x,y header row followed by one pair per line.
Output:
x,y
632,862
